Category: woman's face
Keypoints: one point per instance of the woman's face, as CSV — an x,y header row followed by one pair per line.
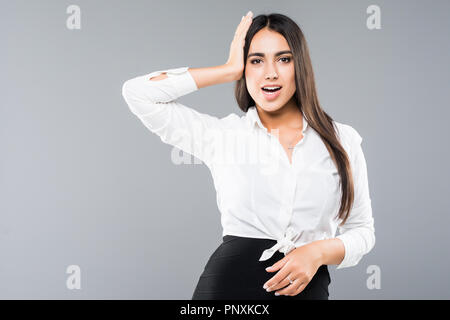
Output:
x,y
269,69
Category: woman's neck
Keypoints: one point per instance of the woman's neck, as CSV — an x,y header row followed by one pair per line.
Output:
x,y
287,117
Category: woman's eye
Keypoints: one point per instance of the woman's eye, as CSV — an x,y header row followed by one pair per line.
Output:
x,y
288,59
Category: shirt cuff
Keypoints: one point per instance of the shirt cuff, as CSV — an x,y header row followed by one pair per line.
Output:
x,y
180,78
350,259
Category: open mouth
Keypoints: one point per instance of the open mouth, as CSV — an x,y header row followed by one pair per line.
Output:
x,y
271,90
271,93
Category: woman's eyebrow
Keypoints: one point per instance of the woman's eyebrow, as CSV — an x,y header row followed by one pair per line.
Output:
x,y
259,54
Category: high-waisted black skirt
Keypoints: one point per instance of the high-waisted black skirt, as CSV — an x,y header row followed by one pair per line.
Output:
x,y
234,272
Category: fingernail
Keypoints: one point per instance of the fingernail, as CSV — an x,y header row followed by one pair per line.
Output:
x,y
277,294
248,13
268,268
265,286
242,18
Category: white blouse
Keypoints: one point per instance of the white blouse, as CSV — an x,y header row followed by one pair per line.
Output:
x,y
260,193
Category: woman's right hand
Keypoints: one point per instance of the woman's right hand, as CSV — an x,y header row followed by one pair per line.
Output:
x,y
236,59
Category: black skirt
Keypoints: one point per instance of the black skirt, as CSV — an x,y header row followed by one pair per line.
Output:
x,y
234,272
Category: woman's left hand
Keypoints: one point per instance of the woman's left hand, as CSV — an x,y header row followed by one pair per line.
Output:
x,y
300,265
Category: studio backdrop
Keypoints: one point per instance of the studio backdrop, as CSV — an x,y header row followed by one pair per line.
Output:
x,y
92,205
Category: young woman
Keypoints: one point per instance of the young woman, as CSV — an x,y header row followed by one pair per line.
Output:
x,y
281,213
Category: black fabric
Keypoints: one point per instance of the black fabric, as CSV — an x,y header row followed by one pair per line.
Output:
x,y
234,272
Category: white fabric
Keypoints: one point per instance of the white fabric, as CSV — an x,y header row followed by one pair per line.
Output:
x,y
260,194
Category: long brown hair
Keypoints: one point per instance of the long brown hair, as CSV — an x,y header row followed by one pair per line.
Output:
x,y
305,97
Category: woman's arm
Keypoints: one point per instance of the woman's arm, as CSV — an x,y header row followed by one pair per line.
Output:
x,y
208,76
358,232
155,104
177,82
357,235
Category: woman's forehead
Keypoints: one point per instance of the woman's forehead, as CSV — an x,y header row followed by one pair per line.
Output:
x,y
268,42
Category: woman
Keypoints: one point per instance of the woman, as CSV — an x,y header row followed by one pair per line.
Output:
x,y
304,174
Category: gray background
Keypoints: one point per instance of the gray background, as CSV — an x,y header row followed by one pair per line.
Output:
x,y
84,182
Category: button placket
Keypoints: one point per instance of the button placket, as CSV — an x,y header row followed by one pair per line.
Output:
x,y
292,190
288,192
291,199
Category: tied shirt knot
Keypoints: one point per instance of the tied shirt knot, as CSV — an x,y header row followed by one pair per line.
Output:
x,y
284,245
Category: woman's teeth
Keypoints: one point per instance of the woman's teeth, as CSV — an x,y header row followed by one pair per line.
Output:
x,y
271,91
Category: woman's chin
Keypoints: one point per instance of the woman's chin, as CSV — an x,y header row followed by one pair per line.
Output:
x,y
270,106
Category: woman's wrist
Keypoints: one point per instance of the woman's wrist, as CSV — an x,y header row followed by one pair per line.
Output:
x,y
233,73
329,251
318,249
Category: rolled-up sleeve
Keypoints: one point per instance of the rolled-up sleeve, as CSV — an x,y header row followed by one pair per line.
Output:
x,y
154,103
358,232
